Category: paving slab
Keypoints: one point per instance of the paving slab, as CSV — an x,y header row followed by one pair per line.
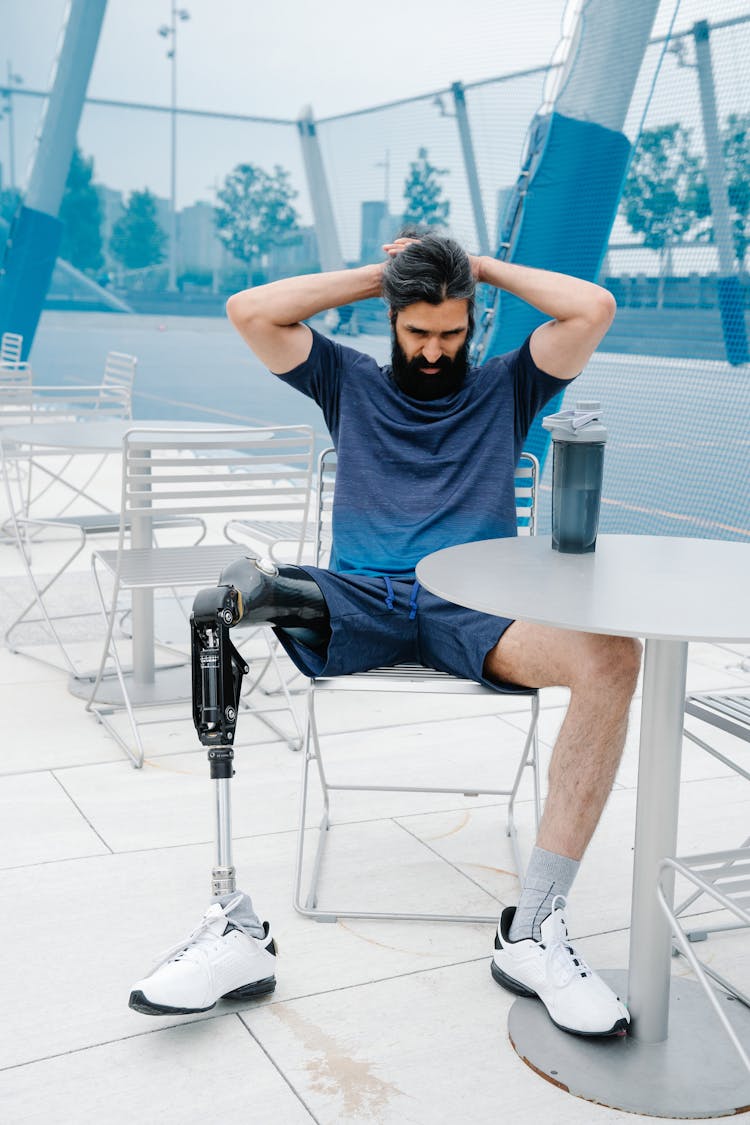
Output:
x,y
40,824
85,930
197,1072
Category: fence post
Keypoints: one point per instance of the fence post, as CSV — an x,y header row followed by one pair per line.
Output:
x,y
329,247
731,304
470,166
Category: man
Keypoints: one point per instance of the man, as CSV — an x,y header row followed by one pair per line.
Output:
x,y
426,452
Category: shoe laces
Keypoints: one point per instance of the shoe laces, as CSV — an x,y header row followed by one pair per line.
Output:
x,y
563,962
204,931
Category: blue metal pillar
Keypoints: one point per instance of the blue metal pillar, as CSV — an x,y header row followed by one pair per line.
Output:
x,y
565,201
34,238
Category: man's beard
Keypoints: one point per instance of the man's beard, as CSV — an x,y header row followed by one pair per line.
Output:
x,y
410,379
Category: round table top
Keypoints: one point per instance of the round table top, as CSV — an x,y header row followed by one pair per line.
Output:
x,y
631,585
92,436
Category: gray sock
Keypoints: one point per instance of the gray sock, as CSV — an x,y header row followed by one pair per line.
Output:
x,y
243,914
547,875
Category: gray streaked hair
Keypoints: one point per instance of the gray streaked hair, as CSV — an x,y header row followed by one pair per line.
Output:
x,y
434,269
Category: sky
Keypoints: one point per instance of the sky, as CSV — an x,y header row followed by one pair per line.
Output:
x,y
337,56
271,59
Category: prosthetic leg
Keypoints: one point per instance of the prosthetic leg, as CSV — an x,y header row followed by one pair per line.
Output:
x,y
253,592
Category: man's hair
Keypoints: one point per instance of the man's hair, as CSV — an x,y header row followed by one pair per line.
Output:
x,y
434,269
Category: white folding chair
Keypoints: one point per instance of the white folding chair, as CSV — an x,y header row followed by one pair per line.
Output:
x,y
75,531
724,878
112,398
212,473
11,346
729,712
402,678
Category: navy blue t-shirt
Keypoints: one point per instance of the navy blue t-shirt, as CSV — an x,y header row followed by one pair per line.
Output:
x,y
413,477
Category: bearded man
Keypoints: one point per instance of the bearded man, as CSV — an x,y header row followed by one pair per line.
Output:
x,y
426,452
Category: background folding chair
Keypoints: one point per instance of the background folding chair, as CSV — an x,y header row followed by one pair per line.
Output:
x,y
727,711
402,678
112,398
215,474
11,346
74,531
724,878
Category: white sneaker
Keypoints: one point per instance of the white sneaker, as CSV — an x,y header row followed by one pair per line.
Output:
x,y
551,970
218,961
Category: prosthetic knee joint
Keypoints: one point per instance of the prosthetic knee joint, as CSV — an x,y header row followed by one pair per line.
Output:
x,y
250,592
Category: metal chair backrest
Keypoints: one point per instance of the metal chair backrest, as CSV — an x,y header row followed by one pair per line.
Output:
x,y
11,346
119,376
526,481
15,395
221,471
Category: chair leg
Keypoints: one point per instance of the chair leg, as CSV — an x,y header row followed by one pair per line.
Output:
x,y
311,750
529,757
38,601
110,648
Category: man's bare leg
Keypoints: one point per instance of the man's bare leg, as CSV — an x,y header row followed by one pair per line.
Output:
x,y
533,955
601,673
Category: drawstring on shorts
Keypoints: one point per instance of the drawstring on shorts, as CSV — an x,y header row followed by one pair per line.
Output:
x,y
413,595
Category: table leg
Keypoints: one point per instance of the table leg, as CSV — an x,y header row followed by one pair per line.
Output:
x,y
674,1062
662,716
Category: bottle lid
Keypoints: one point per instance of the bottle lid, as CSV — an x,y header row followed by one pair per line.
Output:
x,y
580,425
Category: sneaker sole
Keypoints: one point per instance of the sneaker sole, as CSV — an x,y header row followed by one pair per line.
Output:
x,y
140,1003
619,1027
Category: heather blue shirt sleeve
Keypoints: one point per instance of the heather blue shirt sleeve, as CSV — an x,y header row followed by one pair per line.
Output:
x,y
532,388
320,377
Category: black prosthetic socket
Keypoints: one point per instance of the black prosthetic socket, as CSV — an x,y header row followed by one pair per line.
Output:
x,y
281,595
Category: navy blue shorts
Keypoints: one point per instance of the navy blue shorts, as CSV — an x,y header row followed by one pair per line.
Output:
x,y
379,622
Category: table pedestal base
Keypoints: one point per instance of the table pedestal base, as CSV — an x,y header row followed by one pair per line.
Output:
x,y
695,1073
171,685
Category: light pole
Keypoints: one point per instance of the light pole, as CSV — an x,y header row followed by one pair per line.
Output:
x,y
169,32
13,80
386,164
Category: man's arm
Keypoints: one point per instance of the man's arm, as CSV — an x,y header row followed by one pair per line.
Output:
x,y
582,312
269,317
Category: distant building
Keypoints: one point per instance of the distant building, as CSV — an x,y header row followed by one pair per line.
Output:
x,y
199,248
297,254
377,226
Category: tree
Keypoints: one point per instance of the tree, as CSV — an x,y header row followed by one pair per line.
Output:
x,y
254,211
665,195
137,239
81,242
736,147
422,193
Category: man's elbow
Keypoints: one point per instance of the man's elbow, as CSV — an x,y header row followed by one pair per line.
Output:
x,y
604,308
239,309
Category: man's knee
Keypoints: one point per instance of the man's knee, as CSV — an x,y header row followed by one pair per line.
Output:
x,y
614,661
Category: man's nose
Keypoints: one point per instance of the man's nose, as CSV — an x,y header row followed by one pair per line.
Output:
x,y
432,351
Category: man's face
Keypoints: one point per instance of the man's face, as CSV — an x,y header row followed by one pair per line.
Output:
x,y
430,348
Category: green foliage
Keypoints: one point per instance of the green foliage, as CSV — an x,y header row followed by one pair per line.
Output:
x,y
81,242
736,147
137,239
423,192
665,194
254,211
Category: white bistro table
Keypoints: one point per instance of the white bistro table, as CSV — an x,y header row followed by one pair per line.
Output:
x,y
106,436
669,591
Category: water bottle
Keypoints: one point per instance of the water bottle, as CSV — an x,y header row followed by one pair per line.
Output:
x,y
578,439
